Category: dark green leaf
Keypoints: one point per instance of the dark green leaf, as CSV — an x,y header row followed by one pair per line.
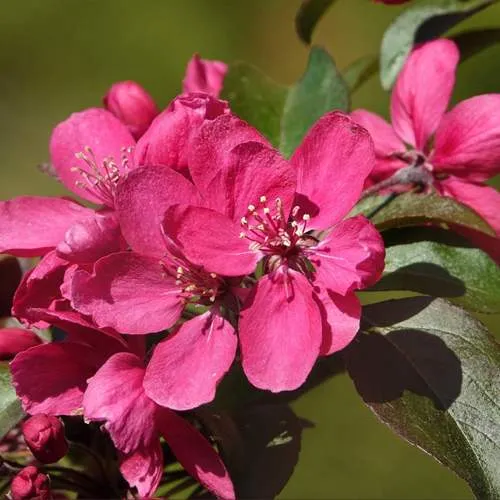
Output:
x,y
422,21
360,71
308,15
448,267
411,209
10,406
321,89
431,372
474,41
256,98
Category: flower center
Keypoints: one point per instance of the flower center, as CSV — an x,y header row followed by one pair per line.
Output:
x,y
100,180
281,239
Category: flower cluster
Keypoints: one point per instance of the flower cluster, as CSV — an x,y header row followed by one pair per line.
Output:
x,y
198,229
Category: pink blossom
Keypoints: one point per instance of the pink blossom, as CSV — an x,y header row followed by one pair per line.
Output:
x,y
259,206
91,369
132,105
204,75
14,340
44,435
459,149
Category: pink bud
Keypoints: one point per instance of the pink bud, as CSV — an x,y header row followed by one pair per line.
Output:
x,y
29,483
204,75
44,434
14,340
132,105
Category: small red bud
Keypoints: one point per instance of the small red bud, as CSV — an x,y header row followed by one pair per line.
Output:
x,y
30,483
15,340
44,435
132,105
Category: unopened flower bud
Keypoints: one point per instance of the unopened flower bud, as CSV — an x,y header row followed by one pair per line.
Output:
x,y
15,340
132,105
30,483
44,435
204,75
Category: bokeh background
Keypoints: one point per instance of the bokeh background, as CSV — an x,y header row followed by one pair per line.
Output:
x,y
60,56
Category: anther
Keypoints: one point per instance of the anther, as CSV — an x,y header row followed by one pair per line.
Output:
x,y
251,208
262,199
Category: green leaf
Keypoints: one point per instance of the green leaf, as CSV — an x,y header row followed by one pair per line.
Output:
x,y
321,89
308,15
10,406
282,114
360,71
431,372
256,98
413,209
422,21
449,267
472,42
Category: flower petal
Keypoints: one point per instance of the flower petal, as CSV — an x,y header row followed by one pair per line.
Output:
x,y
14,340
129,293
187,366
91,238
195,453
350,257
143,468
212,152
280,331
93,128
33,225
332,164
141,200
169,138
129,414
467,141
484,200
423,90
341,317
210,239
204,75
43,389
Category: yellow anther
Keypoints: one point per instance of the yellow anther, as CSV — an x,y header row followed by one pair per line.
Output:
x,y
262,199
251,208
243,234
266,210
213,275
244,221
306,217
180,270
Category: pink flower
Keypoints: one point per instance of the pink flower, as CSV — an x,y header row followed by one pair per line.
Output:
x,y
14,340
29,483
91,369
458,150
204,75
132,105
44,435
259,206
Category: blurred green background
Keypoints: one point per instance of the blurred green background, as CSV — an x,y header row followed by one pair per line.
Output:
x,y
60,56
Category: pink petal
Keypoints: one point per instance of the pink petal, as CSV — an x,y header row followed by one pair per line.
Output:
x,y
132,105
39,290
350,257
280,331
253,172
141,201
143,468
467,141
341,319
169,138
91,238
423,90
484,200
212,151
204,75
93,128
33,225
129,293
187,366
129,414
195,453
210,239
332,164
51,378
15,340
